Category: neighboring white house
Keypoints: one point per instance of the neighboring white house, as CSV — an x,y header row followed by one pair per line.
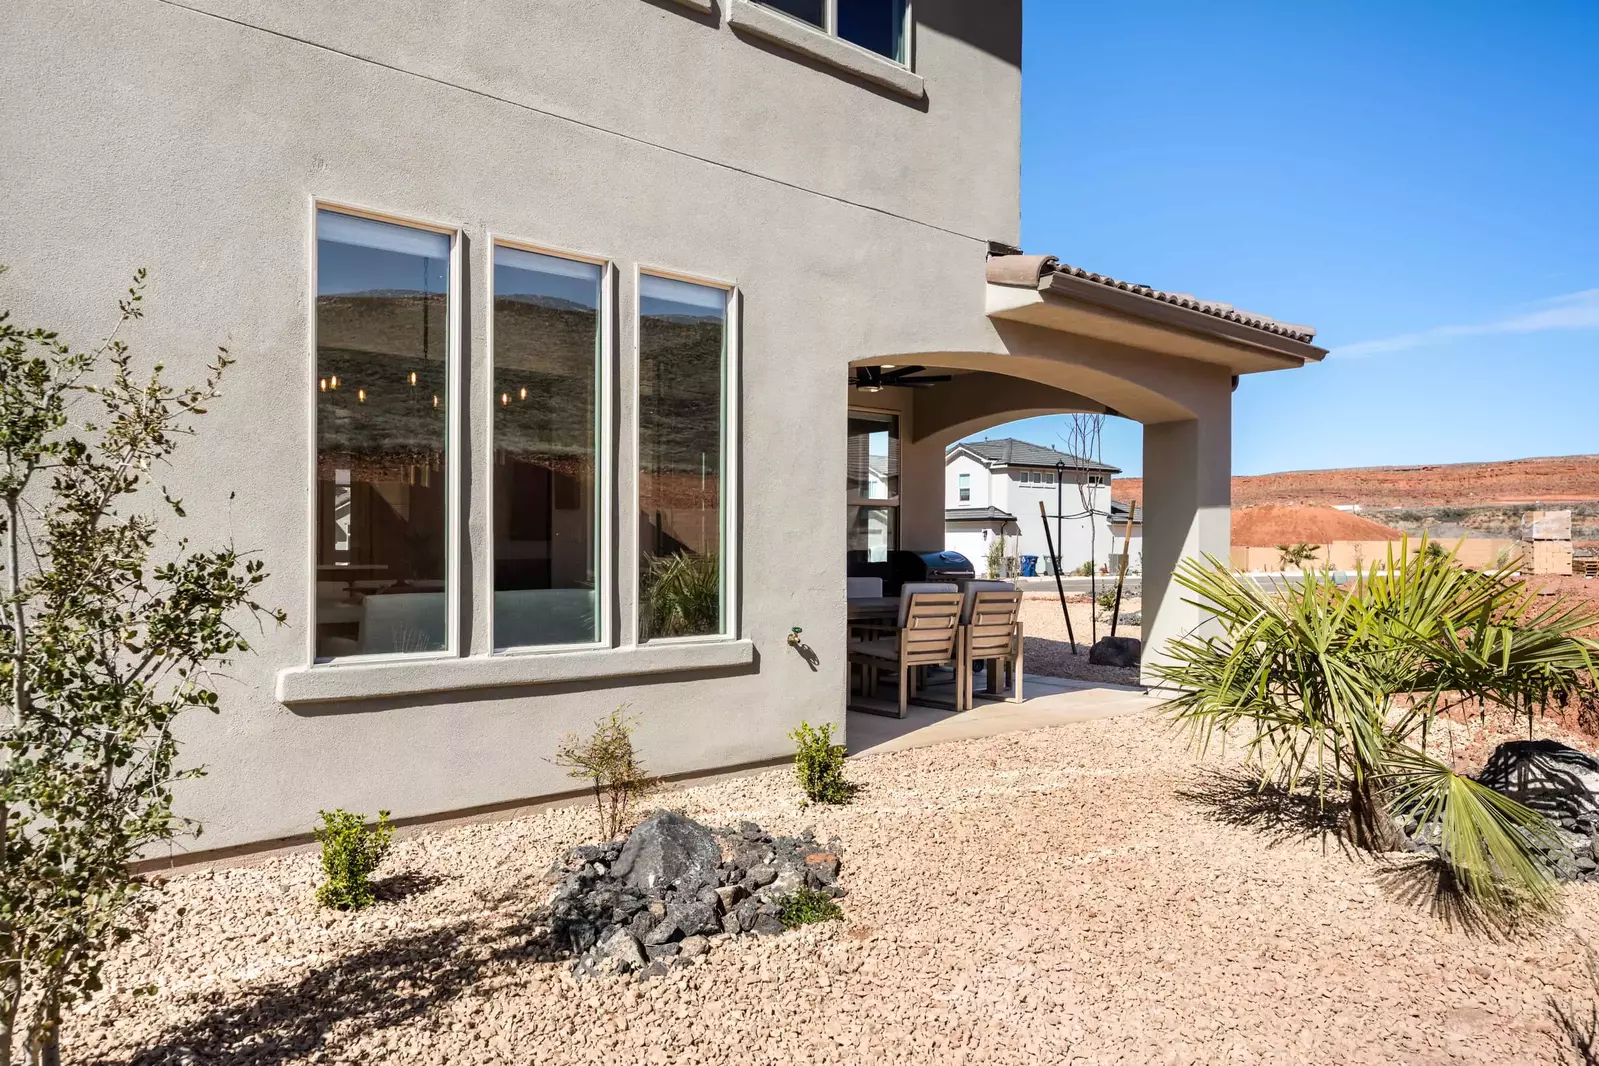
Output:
x,y
993,488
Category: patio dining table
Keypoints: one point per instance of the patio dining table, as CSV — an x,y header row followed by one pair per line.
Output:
x,y
872,608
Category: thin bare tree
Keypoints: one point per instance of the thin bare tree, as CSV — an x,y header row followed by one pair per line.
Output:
x,y
1084,438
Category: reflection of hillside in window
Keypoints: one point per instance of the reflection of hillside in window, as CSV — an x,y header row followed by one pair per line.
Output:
x,y
382,315
546,345
681,345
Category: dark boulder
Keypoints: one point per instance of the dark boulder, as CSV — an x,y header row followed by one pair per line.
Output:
x,y
669,851
1559,782
1116,651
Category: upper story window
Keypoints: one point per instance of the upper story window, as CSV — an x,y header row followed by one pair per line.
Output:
x,y
965,487
876,25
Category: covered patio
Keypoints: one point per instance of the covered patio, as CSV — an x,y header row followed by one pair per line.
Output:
x,y
1060,340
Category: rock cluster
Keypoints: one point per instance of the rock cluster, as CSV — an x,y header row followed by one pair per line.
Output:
x,y
1558,782
674,888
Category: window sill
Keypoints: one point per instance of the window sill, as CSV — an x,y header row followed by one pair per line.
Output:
x,y
810,41
339,682
697,5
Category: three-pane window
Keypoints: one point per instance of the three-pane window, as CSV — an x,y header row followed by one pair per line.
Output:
x,y
383,353
385,535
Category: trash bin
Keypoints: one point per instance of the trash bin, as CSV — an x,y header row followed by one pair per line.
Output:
x,y
1029,566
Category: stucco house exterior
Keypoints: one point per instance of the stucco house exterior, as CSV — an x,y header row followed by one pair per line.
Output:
x,y
993,488
540,306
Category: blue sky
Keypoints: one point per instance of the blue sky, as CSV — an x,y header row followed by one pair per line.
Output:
x,y
1419,181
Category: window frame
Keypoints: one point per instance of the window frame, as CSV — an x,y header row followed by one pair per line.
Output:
x,y
885,502
605,453
963,487
829,27
455,463
732,355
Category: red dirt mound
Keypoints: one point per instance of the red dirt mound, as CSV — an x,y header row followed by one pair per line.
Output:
x,y
1554,479
1271,525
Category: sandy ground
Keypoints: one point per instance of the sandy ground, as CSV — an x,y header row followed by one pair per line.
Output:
x,y
1047,651
1083,894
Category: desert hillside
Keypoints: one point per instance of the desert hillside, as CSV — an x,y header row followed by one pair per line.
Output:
x,y
1557,479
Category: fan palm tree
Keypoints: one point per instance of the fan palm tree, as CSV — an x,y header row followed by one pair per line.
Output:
x,y
1339,684
682,594
1295,555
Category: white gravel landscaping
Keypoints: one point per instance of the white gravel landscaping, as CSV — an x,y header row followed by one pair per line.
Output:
x,y
1080,894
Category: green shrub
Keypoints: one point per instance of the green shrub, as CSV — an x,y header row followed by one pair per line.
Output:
x,y
1086,570
606,760
351,850
819,764
807,907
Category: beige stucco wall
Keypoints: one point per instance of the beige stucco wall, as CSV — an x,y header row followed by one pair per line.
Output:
x,y
191,138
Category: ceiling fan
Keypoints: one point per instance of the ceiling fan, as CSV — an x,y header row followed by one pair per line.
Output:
x,y
877,378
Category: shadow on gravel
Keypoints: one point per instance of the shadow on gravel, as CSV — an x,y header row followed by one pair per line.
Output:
x,y
1579,1027
1280,815
405,885
1425,883
386,986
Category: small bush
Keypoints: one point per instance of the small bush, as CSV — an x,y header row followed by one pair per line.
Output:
x,y
819,764
351,850
996,561
1086,570
606,759
1107,600
807,907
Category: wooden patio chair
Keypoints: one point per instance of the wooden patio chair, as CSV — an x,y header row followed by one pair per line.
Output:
x,y
928,635
991,631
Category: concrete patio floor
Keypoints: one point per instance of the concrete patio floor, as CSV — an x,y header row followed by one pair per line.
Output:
x,y
1049,701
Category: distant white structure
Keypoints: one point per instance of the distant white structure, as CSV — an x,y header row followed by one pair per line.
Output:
x,y
1124,540
993,488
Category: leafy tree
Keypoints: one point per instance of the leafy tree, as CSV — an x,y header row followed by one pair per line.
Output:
x,y
1341,684
109,636
995,563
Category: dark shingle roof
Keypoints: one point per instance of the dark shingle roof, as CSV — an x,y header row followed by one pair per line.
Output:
x,y
1008,451
1118,512
977,514
1015,270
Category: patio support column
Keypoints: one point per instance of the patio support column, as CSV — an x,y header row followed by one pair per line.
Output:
x,y
1187,511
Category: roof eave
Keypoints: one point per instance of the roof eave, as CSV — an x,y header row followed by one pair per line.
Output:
x,y
1190,320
